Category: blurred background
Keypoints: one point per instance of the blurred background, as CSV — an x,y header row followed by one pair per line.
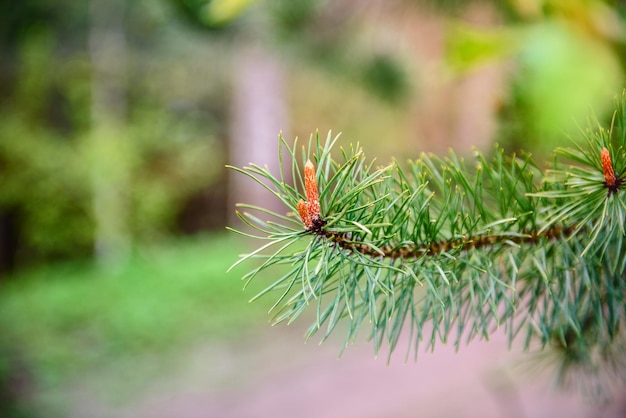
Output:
x,y
116,120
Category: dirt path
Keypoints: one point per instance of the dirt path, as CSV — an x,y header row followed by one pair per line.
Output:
x,y
275,375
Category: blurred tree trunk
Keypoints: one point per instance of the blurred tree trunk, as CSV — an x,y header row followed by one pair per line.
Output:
x,y
107,49
258,115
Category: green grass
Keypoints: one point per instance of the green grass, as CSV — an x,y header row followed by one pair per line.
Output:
x,y
62,319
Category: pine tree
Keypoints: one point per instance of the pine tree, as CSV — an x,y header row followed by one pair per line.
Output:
x,y
465,248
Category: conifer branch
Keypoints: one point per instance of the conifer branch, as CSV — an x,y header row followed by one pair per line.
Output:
x,y
499,244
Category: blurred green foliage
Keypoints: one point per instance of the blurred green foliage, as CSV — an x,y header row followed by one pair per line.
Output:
x,y
564,74
41,170
166,149
211,14
65,320
384,76
566,59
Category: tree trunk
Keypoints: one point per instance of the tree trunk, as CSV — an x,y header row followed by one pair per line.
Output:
x,y
107,49
258,116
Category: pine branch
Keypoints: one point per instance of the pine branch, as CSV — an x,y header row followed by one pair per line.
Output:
x,y
466,249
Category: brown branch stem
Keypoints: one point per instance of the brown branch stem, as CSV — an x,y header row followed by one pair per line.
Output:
x,y
416,250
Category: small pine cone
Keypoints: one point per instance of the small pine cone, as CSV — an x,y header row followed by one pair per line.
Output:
x,y
310,183
607,168
303,210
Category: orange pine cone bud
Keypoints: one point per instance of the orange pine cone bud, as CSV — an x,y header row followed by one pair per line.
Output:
x,y
310,183
607,168
304,214
312,194
314,210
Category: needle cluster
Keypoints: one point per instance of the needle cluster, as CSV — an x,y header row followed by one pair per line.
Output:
x,y
448,250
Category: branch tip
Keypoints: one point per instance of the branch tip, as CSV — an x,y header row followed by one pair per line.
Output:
x,y
611,181
312,205
607,168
